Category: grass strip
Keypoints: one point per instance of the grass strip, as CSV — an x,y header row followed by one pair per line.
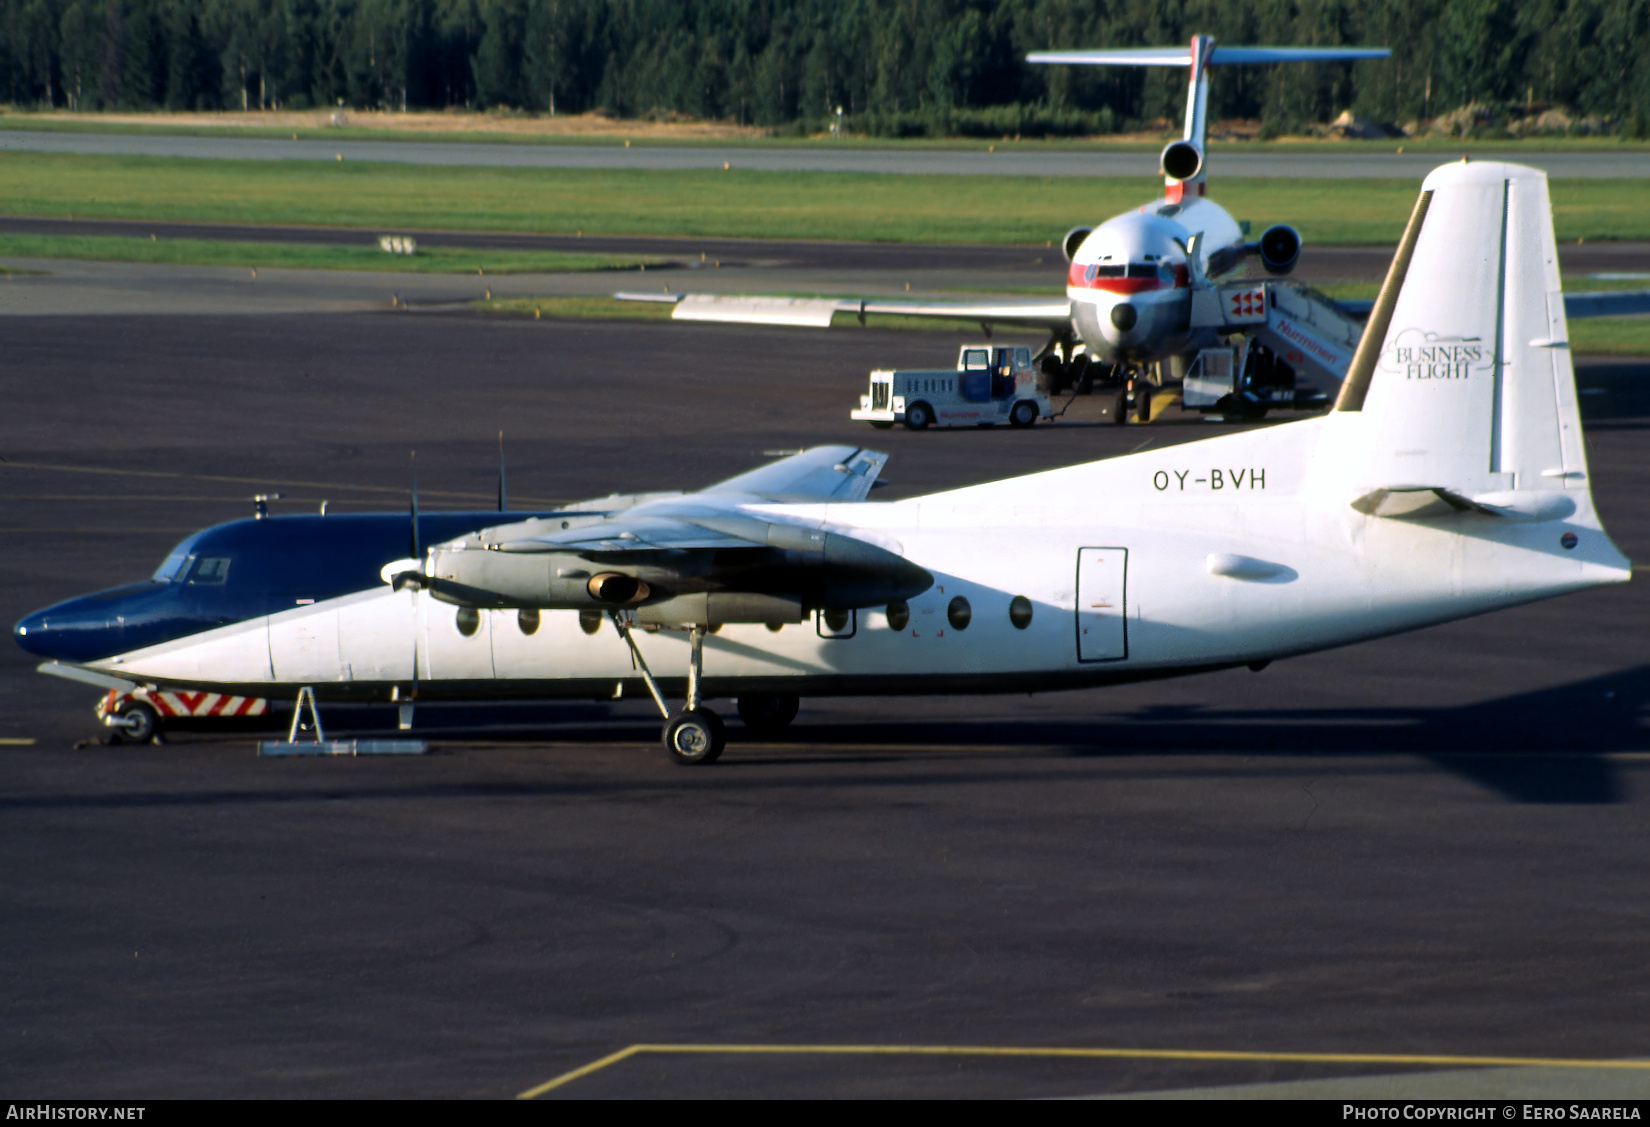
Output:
x,y
306,256
625,130
575,308
736,203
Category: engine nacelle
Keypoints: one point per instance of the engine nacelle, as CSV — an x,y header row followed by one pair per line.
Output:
x,y
1181,160
611,587
1279,249
1073,240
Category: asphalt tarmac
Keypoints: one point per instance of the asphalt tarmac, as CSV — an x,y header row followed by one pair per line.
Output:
x,y
1429,844
1004,160
41,287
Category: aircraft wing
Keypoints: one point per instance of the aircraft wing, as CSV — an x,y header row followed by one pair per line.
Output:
x,y
817,312
1606,303
1577,306
822,473
683,522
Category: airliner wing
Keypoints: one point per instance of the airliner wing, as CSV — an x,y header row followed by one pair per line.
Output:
x,y
817,312
1606,303
822,473
1577,306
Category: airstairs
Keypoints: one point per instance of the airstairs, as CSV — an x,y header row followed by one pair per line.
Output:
x,y
1298,327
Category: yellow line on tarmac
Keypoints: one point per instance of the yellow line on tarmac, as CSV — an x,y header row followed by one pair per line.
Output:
x,y
593,1066
1083,1054
16,741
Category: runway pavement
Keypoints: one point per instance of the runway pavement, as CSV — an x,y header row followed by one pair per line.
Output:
x,y
1431,844
67,287
1007,160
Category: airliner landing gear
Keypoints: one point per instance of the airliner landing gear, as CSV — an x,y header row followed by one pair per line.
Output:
x,y
768,713
1134,396
694,735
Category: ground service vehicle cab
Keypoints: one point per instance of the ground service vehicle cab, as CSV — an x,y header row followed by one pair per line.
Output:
x,y
991,384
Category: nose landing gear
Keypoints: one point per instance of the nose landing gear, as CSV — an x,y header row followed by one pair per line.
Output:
x,y
1134,395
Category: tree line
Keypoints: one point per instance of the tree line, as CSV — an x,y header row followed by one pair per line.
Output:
x,y
893,67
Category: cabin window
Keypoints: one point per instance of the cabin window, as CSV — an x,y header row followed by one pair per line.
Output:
x,y
959,613
528,619
210,572
468,621
899,615
1019,612
590,621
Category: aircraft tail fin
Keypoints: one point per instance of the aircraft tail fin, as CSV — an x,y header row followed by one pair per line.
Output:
x,y
1183,160
1462,383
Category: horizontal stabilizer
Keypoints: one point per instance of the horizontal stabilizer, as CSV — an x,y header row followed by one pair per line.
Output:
x,y
1420,502
1228,56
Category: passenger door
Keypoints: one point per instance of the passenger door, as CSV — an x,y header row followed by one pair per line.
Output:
x,y
1102,605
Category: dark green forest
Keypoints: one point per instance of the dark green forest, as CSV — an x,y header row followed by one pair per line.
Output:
x,y
895,67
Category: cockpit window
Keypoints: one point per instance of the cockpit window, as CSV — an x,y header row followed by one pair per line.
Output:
x,y
172,567
210,572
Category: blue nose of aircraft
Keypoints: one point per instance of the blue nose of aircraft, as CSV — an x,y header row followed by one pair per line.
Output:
x,y
31,634
82,629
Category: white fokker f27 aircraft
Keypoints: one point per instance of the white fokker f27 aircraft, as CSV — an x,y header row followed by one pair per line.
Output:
x,y
1146,286
1449,480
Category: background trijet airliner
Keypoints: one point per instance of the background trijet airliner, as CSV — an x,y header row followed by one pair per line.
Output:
x,y
1145,301
1449,480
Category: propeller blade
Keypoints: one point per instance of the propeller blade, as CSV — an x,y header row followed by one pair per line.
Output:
x,y
415,552
503,497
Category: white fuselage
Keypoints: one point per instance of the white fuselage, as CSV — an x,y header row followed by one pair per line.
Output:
x,y
1214,554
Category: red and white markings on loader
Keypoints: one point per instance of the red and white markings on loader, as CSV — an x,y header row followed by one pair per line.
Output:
x,y
174,705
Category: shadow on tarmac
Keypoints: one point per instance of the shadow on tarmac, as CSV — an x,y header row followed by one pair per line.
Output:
x,y
1557,746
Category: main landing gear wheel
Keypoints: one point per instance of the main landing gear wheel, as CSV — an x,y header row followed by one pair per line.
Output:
x,y
768,713
1023,414
695,737
918,416
1120,406
1143,404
